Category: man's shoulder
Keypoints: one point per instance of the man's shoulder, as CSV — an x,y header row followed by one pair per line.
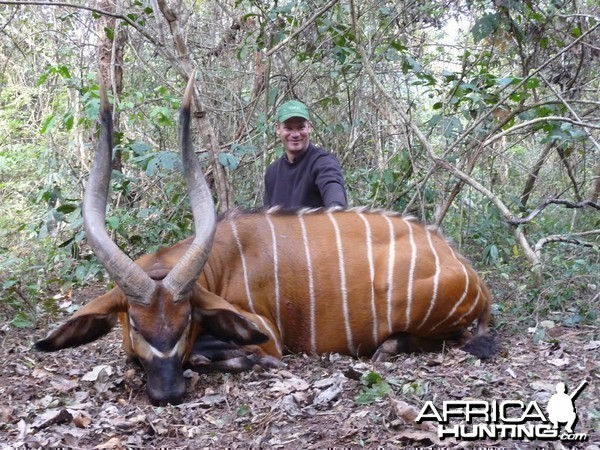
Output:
x,y
273,165
320,156
317,151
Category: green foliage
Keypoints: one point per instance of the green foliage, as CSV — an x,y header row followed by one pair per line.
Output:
x,y
462,72
374,388
485,26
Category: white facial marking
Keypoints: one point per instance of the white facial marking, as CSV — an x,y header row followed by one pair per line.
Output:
x,y
143,348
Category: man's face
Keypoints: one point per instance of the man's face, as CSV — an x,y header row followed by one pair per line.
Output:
x,y
294,134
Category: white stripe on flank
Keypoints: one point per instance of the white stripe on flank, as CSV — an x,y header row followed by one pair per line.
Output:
x,y
247,286
465,292
436,280
343,286
475,303
311,287
276,277
369,239
411,273
390,277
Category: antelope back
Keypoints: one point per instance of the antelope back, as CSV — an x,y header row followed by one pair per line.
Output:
x,y
344,281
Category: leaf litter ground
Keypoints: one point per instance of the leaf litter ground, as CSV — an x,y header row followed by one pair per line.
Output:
x,y
91,397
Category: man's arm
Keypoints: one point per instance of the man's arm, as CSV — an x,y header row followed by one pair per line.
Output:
x,y
330,181
267,184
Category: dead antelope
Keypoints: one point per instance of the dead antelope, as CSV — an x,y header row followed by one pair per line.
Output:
x,y
254,286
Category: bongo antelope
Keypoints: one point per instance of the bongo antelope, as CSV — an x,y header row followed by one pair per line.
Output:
x,y
253,286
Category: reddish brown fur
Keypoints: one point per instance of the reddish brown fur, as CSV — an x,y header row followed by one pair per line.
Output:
x,y
220,302
223,275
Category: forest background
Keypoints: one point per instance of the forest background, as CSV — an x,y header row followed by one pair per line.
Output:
x,y
481,117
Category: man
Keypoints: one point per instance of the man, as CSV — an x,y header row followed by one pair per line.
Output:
x,y
306,175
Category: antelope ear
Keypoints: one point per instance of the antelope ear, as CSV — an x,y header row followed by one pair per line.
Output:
x,y
92,321
220,319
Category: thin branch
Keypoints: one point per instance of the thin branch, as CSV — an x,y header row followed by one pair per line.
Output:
x,y
302,28
533,73
552,201
539,120
565,238
400,108
568,106
87,8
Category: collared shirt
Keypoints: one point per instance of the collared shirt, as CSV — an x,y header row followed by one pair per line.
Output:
x,y
314,179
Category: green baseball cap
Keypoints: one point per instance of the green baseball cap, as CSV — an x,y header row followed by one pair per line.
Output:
x,y
290,109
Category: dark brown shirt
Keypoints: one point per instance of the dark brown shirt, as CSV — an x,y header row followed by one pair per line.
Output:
x,y
314,179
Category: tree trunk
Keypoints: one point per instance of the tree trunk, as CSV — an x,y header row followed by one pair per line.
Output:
x,y
183,63
595,192
533,175
110,63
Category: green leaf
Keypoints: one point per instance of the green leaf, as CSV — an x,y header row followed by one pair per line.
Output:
x,y
42,79
92,107
375,388
502,82
21,321
532,83
113,222
110,33
485,26
48,124
152,163
370,378
243,410
140,148
63,71
69,121
81,272
398,45
228,160
243,149
162,116
67,208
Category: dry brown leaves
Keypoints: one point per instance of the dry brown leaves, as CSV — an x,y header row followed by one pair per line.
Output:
x,y
90,397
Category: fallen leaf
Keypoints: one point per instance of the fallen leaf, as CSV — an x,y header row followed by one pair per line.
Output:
x,y
326,382
328,395
408,413
96,372
560,362
290,385
81,419
592,345
110,444
211,399
63,385
52,417
290,406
